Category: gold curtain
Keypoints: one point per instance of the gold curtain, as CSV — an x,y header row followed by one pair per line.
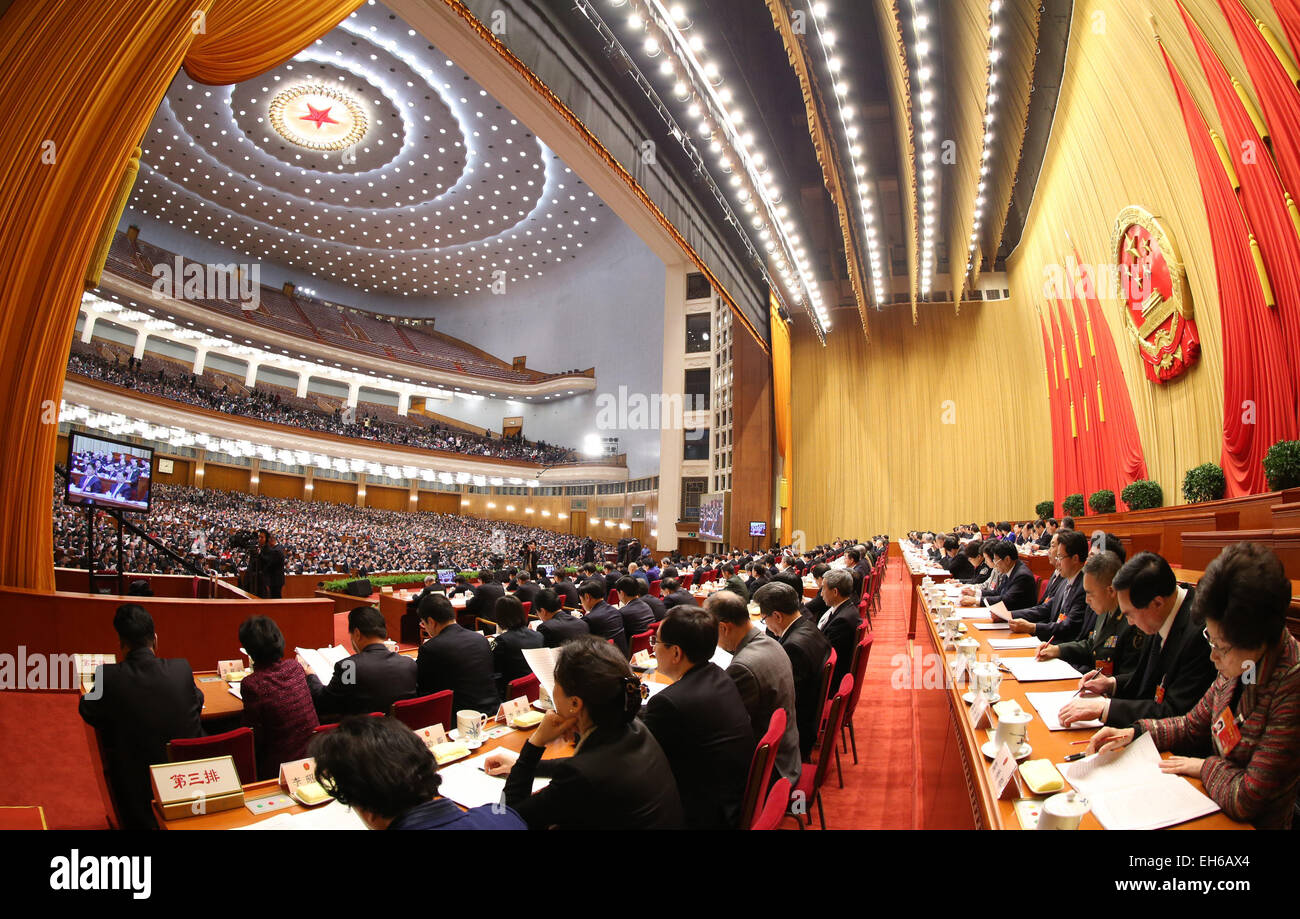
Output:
x,y
927,426
81,82
243,38
781,411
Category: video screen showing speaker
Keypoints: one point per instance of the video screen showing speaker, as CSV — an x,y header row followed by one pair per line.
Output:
x,y
713,517
758,528
446,576
108,473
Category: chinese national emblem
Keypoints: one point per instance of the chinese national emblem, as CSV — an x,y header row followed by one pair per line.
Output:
x,y
1157,308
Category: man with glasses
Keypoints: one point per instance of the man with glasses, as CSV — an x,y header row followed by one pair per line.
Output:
x,y
700,721
1061,618
1172,672
808,650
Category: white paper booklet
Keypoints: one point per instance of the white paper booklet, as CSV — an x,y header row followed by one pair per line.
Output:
x,y
322,660
1028,670
1029,642
1049,705
469,786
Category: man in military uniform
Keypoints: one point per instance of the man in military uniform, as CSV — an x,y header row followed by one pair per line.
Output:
x,y
1108,642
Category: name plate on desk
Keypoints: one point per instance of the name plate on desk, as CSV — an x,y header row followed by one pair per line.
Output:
x,y
433,735
200,786
299,779
1001,773
513,708
979,712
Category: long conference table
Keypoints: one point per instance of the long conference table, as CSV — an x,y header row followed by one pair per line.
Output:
x,y
955,787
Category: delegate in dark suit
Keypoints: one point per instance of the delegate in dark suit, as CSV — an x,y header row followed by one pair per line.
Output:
x,y
138,706
370,681
483,604
606,621
460,660
637,617
562,627
567,593
703,728
840,630
1169,677
619,779
1060,618
959,566
678,598
1018,590
657,607
808,650
508,655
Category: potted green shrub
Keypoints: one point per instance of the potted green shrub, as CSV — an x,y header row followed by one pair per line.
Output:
x,y
1073,505
1102,501
1143,494
1282,465
1045,509
1204,483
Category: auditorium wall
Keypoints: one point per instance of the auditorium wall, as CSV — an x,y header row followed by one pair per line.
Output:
x,y
926,426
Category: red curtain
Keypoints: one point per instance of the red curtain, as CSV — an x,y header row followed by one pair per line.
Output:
x,y
1120,444
1262,196
1288,11
1277,94
1100,470
1258,391
1051,378
1072,454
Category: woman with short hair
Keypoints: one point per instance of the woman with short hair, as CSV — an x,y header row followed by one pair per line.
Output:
x,y
277,700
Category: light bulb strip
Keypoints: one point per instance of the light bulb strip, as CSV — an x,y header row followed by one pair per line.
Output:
x,y
928,202
986,154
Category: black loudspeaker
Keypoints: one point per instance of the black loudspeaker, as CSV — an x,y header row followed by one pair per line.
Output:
x,y
358,588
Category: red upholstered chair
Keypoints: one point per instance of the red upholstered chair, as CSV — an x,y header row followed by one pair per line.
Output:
x,y
827,672
528,686
1042,587
237,743
760,767
528,607
813,775
686,581
654,589
654,626
778,799
326,728
424,711
612,598
641,640
864,611
861,654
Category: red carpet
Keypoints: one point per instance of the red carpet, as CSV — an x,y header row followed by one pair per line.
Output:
x,y
45,760
878,791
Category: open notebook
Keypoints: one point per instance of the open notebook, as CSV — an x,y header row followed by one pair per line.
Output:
x,y
1129,792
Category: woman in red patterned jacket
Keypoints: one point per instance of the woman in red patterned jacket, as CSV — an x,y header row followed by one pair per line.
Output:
x,y
1242,740
277,702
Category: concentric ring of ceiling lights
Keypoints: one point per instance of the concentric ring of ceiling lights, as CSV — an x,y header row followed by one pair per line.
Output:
x,y
318,105
441,191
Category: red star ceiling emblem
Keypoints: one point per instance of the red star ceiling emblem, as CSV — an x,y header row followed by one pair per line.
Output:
x,y
319,115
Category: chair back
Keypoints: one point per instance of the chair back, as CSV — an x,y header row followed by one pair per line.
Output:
x,y
760,767
528,686
641,641
424,711
612,598
326,728
686,581
237,743
528,607
828,670
835,718
486,626
773,812
861,654
1042,587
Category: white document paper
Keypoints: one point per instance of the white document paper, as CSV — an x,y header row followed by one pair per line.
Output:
x,y
721,658
999,612
542,662
234,690
1029,643
1049,705
1028,670
993,626
469,786
1129,792
322,660
332,816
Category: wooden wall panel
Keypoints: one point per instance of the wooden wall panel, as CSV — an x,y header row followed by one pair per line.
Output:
x,y
225,478
387,497
334,491
182,473
752,495
280,485
439,502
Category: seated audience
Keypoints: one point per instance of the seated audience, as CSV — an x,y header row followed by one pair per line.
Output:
x,y
1172,671
277,700
557,625
761,671
808,651
1108,644
954,560
385,773
734,582
508,652
1242,739
673,595
1060,618
138,706
605,621
618,777
372,679
1016,585
700,721
455,658
840,621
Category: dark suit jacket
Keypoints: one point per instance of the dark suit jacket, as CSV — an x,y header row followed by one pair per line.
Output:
x,y
508,656
1060,617
562,627
607,622
815,608
370,681
525,593
619,779
140,705
483,603
657,607
1108,637
567,593
703,727
1018,589
637,617
980,576
460,660
678,598
959,566
807,649
1182,665
840,631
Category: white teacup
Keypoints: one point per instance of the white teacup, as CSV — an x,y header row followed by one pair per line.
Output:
x,y
968,648
1063,812
470,724
1012,731
987,678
